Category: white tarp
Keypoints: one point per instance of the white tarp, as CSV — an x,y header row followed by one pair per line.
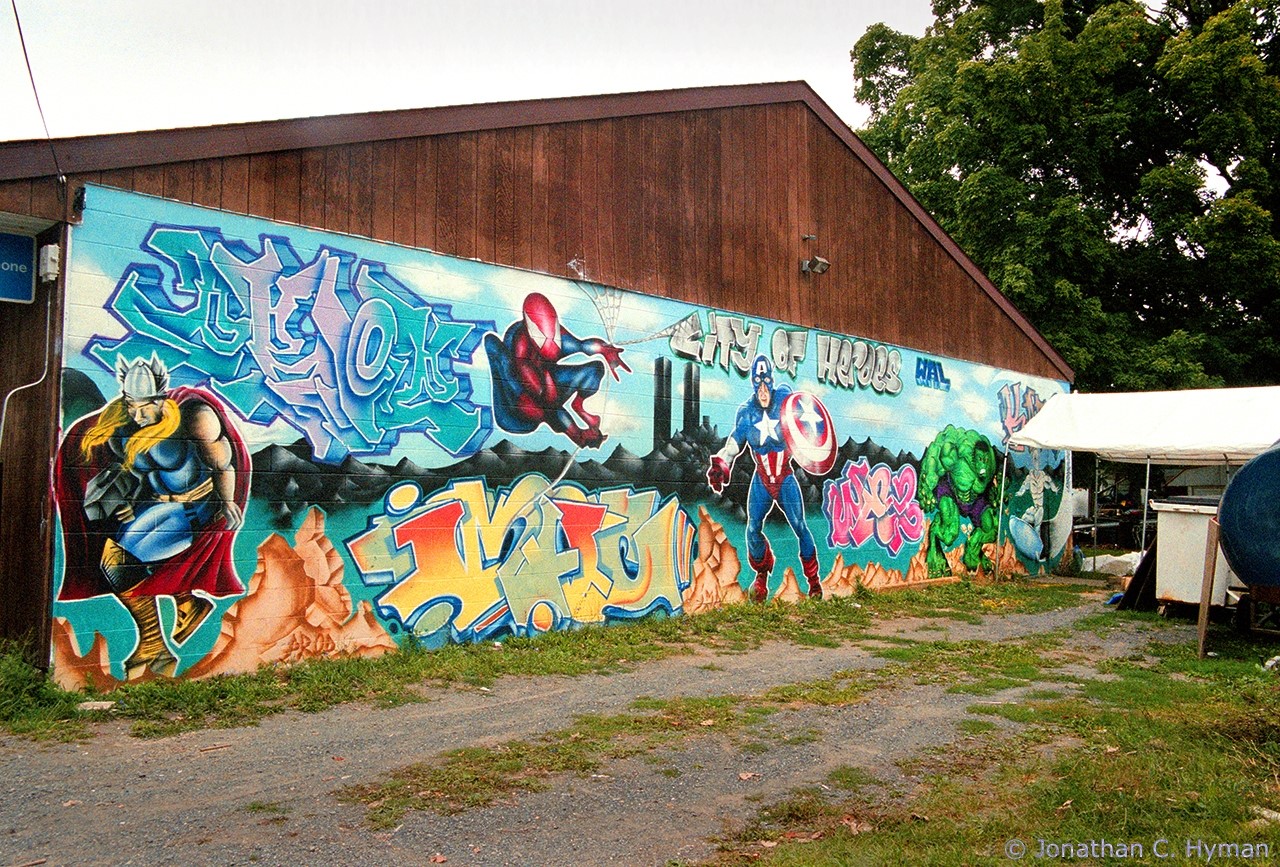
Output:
x,y
1200,426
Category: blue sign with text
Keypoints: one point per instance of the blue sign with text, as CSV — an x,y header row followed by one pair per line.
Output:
x,y
17,268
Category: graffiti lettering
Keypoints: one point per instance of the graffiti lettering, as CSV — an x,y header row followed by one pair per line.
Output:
x,y
1018,404
728,340
859,364
873,503
336,347
929,374
526,559
788,349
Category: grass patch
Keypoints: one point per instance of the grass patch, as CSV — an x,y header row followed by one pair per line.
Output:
x,y
31,705
807,736
1109,619
1173,748
973,667
987,686
976,667
966,600
34,706
976,726
842,688
471,777
851,778
1043,694
1019,713
814,639
474,777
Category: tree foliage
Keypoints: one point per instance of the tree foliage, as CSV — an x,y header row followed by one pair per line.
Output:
x,y
1112,167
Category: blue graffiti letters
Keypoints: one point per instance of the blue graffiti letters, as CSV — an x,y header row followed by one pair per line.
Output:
x,y
335,346
929,374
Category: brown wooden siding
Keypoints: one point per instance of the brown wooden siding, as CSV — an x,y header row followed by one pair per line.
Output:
x,y
28,335
703,206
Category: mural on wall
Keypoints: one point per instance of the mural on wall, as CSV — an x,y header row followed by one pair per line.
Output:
x,y
467,562
534,385
873,503
777,427
960,483
283,443
151,490
1035,516
333,345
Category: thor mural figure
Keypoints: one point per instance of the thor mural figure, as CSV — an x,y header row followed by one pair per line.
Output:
x,y
151,490
778,426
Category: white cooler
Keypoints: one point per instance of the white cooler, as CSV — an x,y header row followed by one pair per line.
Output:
x,y
1182,530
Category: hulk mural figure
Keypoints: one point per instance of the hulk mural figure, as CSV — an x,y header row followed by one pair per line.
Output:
x,y
958,479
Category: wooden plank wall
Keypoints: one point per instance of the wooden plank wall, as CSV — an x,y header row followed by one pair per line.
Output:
x,y
890,280
703,206
28,336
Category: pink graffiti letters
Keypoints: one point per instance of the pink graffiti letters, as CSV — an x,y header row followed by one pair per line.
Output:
x,y
873,503
1018,404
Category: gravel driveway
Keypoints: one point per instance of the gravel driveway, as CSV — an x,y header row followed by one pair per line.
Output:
x,y
186,799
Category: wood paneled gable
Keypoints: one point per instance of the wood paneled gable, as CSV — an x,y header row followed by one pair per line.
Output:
x,y
702,195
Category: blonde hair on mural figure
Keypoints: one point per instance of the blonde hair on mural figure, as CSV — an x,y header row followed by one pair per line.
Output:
x,y
115,414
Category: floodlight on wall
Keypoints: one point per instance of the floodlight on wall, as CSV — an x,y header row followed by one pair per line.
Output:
x,y
814,265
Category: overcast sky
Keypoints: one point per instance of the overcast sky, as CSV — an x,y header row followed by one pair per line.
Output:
x,y
120,65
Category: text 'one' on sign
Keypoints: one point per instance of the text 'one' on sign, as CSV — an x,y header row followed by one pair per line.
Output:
x,y
17,268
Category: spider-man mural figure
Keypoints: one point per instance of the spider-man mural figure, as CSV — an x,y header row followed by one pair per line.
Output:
x,y
532,383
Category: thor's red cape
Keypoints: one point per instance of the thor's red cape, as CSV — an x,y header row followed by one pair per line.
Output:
x,y
207,565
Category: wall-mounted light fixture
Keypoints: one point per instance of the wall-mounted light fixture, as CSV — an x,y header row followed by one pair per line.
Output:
x,y
814,265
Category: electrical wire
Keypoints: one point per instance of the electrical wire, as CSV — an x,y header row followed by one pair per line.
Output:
x,y
48,324
35,92
48,313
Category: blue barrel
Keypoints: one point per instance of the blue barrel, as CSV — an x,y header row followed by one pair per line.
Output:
x,y
1250,519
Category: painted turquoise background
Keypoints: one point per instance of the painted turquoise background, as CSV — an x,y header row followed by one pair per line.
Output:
x,y
124,298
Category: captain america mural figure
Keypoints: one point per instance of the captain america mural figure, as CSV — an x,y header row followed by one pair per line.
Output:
x,y
532,383
778,426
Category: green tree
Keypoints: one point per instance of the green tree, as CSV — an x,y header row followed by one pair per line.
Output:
x,y
1112,168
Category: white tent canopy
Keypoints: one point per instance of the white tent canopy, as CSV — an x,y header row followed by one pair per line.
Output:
x,y
1194,427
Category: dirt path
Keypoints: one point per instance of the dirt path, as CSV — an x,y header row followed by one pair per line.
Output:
x,y
120,800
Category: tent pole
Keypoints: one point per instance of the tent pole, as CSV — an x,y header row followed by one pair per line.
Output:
x,y
1146,498
1004,465
1097,514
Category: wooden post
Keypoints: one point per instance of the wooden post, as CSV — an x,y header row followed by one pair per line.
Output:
x,y
1206,586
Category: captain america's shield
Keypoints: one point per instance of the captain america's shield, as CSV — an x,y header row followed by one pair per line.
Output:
x,y
808,432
